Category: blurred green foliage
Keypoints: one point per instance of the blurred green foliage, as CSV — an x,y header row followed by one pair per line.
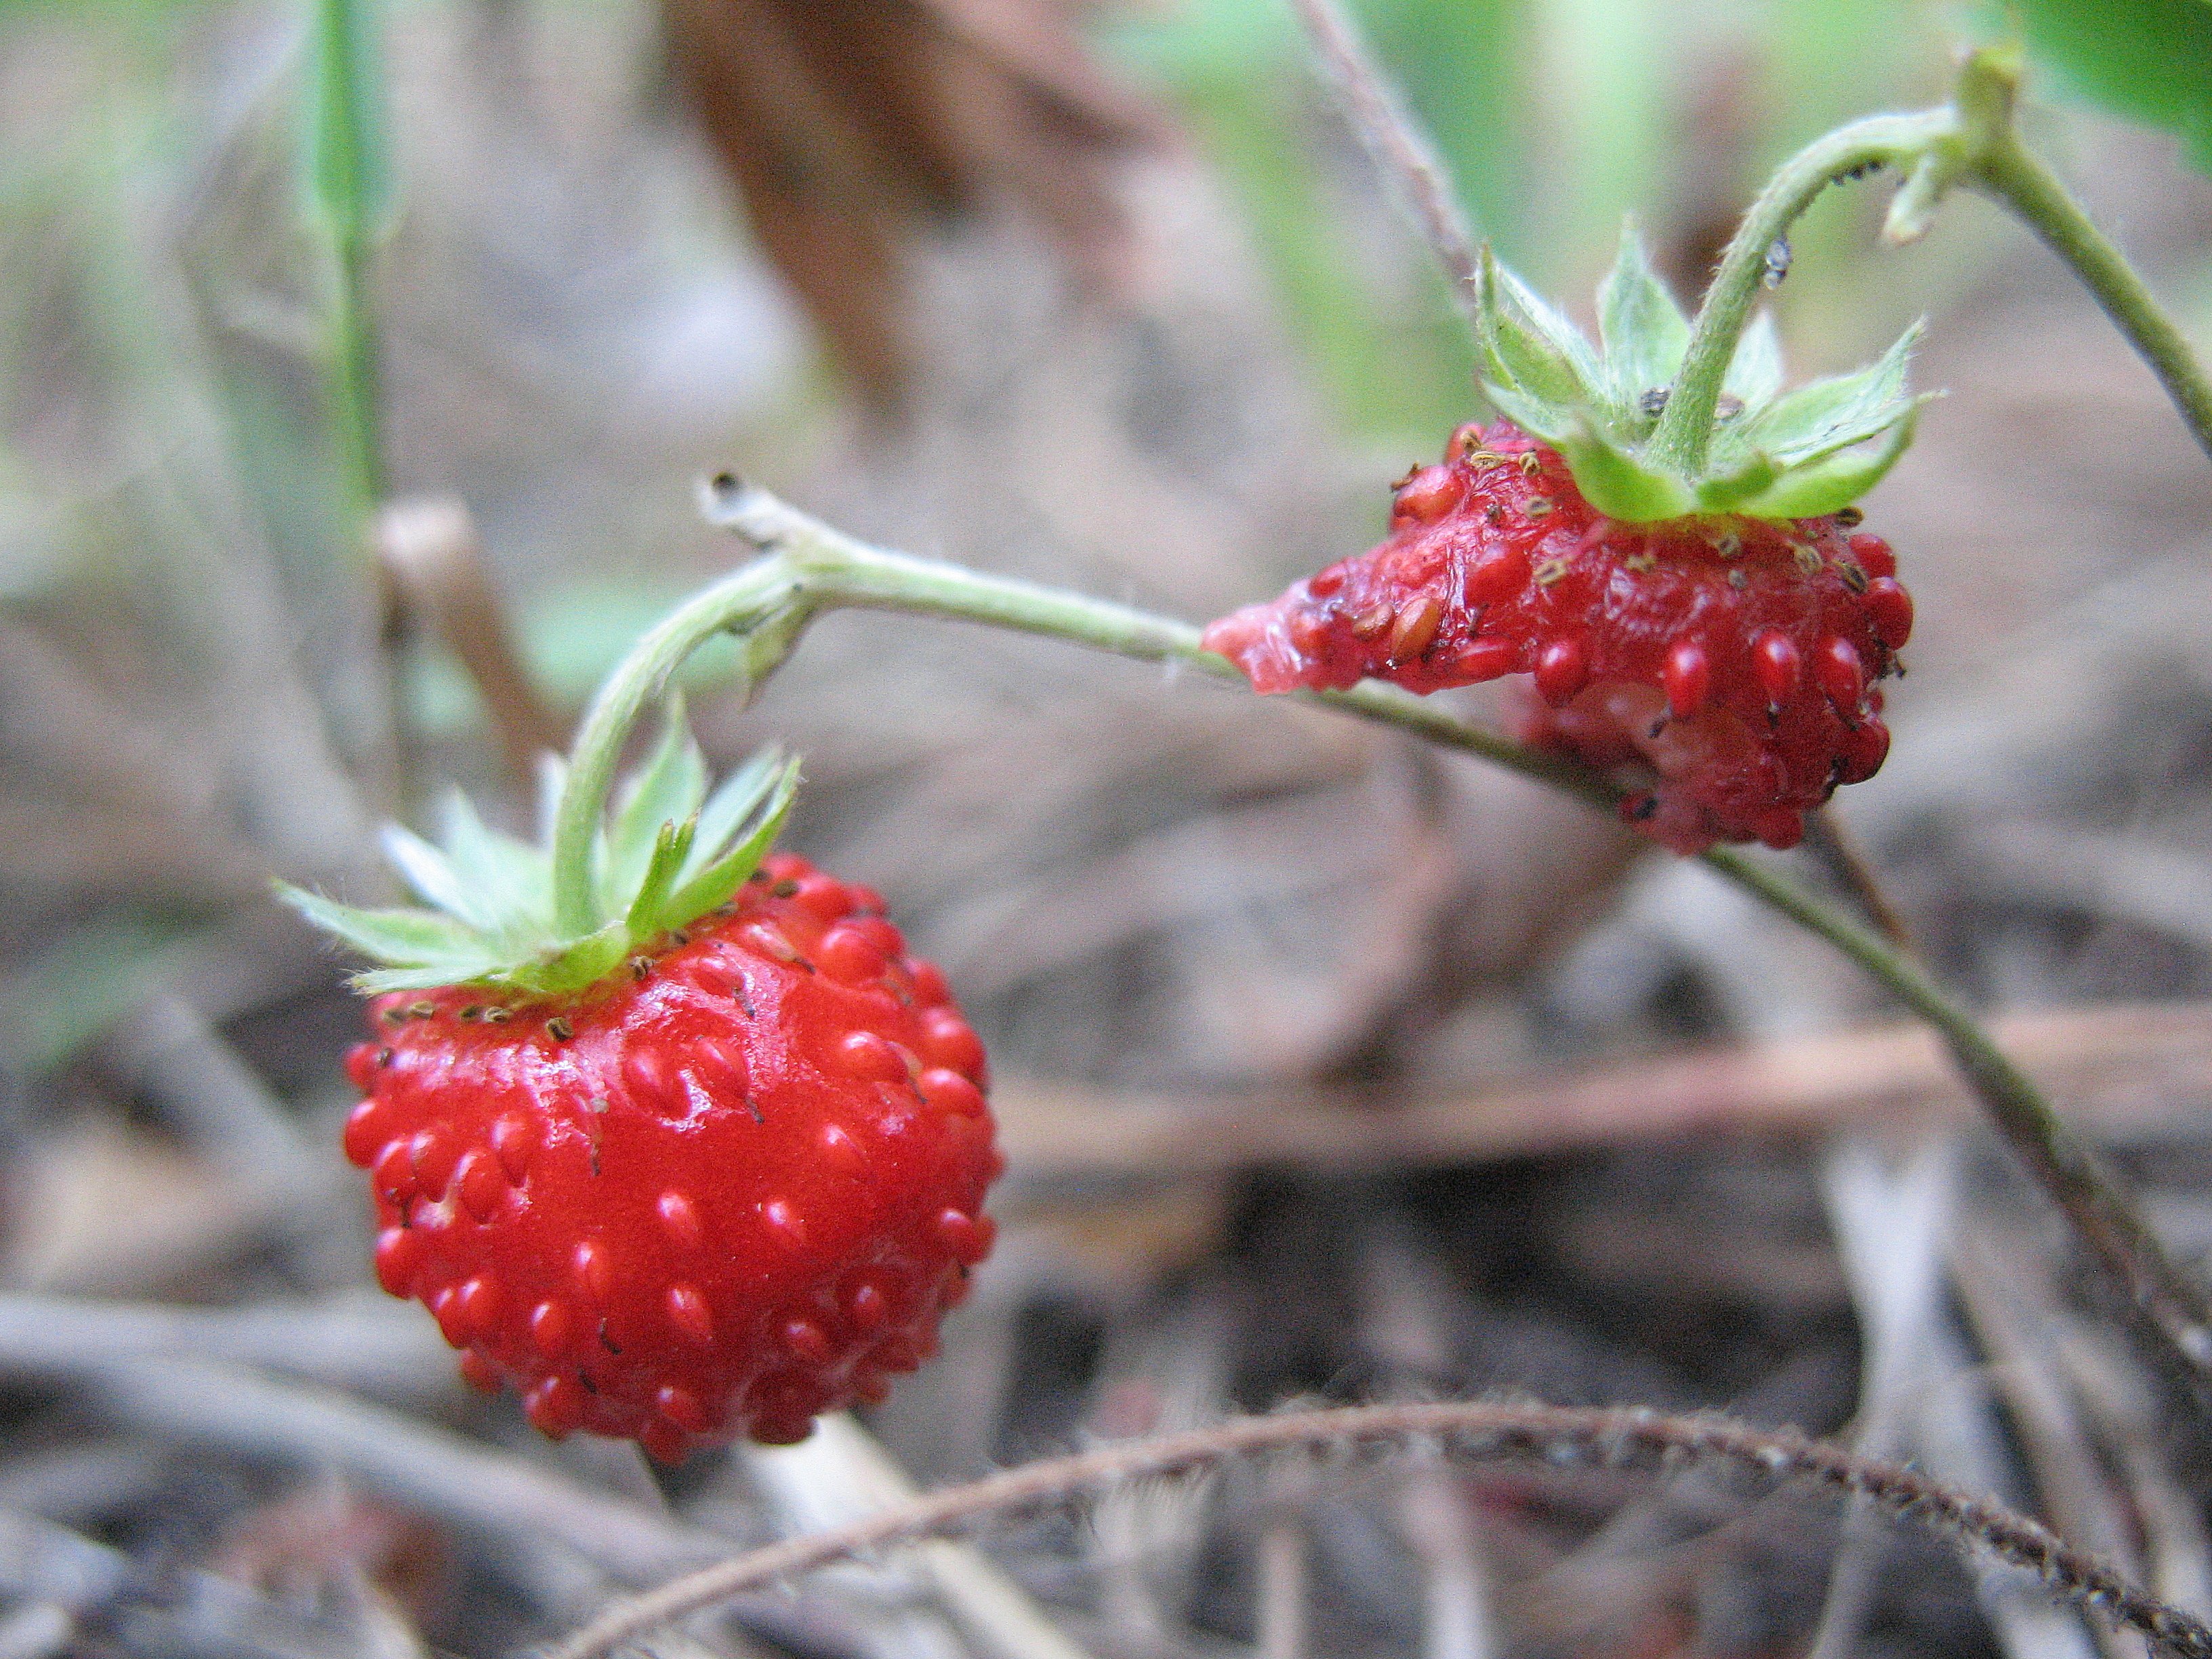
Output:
x,y
167,415
2149,60
1557,120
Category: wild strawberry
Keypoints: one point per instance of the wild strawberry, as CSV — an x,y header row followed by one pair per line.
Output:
x,y
1733,659
1720,634
730,1180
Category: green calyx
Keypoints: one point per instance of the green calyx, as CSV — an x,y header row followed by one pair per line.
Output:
x,y
1772,453
669,852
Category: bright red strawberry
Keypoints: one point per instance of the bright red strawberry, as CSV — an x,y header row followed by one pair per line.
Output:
x,y
1691,602
733,1188
1733,658
708,1168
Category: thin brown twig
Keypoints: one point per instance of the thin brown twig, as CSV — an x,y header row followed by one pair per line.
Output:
x,y
2125,1072
432,558
1845,855
1396,143
1468,1429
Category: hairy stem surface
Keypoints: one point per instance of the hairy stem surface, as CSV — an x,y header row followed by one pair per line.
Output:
x,y
810,568
1685,426
2007,172
1621,1439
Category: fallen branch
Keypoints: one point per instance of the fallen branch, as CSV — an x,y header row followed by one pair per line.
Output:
x,y
2119,1070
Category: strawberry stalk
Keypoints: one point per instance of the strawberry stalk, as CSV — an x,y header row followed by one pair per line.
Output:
x,y
1971,141
808,568
1684,435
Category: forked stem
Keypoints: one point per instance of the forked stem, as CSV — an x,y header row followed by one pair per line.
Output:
x,y
1971,141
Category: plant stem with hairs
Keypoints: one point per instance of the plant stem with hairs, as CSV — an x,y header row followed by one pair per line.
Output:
x,y
810,568
1477,1429
1972,140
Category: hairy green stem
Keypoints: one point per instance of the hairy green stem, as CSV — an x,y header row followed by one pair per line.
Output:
x,y
1685,431
1970,140
809,568
751,602
2172,1304
2005,170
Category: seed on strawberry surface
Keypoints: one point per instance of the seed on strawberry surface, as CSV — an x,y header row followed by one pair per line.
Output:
x,y
1428,494
1562,670
1686,676
1776,662
1841,673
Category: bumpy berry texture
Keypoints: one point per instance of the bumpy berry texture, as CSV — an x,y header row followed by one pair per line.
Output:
x,y
1729,663
731,1186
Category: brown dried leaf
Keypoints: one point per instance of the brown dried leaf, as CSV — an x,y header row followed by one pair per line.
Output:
x,y
846,125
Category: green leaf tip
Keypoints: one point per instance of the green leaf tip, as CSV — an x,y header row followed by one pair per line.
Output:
x,y
1771,449
669,852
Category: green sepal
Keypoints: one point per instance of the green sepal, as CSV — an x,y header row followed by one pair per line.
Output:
x,y
1820,418
375,981
735,800
1754,475
669,787
722,878
1552,422
431,876
578,964
1755,373
394,935
512,875
672,853
1643,331
1827,485
1527,345
1616,484
1768,450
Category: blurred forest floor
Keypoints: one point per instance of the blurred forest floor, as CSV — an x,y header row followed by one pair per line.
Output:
x,y
1328,1067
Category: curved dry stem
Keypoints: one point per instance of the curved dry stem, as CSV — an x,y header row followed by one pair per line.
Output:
x,y
1475,1429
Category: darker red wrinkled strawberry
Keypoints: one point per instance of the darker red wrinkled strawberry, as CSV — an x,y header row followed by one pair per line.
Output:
x,y
1732,662
733,1186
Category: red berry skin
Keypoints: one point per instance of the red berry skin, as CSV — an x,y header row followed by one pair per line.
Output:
x,y
1727,664
712,1197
